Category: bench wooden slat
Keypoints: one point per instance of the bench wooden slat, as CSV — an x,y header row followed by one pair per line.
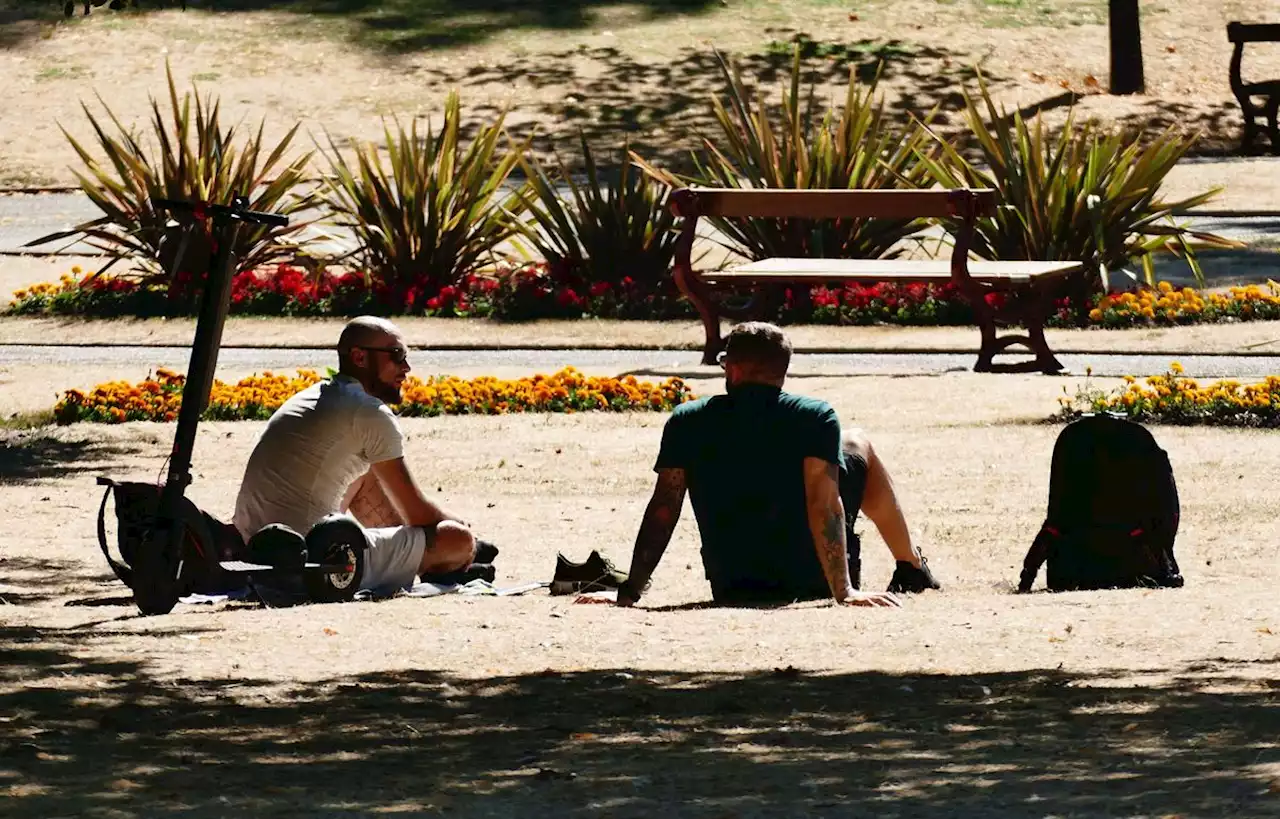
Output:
x,y
853,203
896,270
1253,32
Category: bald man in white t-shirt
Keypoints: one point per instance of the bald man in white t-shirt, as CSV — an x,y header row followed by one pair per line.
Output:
x,y
336,449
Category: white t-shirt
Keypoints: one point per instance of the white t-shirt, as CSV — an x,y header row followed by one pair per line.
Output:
x,y
313,448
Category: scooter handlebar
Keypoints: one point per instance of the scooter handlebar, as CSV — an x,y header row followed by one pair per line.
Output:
x,y
237,211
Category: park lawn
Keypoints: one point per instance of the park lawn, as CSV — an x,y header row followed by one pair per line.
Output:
x,y
973,701
641,72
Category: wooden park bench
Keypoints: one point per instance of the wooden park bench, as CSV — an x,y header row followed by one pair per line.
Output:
x,y
1030,283
1266,90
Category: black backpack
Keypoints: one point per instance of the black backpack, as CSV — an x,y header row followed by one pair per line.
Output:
x,y
206,541
1113,510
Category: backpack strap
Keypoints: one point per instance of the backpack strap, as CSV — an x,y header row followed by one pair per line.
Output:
x,y
1036,556
122,571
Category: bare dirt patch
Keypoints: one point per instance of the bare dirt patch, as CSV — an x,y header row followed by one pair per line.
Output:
x,y
643,71
972,700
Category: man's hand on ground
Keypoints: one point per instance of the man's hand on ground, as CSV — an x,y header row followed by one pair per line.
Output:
x,y
609,597
874,599
908,579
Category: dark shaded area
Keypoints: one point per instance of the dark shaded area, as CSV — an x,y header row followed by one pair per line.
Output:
x,y
393,25
36,456
108,738
28,581
661,110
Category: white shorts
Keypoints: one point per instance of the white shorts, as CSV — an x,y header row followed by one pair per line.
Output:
x,y
393,557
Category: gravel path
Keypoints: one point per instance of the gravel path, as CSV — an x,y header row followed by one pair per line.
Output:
x,y
619,361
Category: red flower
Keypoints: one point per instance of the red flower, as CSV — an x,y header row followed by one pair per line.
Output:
x,y
568,298
599,289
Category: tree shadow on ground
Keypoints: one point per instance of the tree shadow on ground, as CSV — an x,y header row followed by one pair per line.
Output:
x,y
393,25
26,581
661,109
105,737
38,456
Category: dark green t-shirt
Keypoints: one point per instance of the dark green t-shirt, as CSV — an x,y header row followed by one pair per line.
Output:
x,y
743,455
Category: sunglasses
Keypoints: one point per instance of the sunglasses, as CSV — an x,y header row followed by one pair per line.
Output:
x,y
397,354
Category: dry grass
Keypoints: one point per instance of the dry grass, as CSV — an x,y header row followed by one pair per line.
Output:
x,y
973,700
644,70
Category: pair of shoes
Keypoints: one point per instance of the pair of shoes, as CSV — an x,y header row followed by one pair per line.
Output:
x,y
596,573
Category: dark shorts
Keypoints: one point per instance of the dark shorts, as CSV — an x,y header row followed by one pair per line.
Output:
x,y
853,484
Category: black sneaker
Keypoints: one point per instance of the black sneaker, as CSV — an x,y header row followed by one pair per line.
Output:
x,y
596,573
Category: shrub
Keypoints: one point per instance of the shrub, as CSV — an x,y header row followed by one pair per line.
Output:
x,y
1080,196
616,227
855,146
435,215
196,158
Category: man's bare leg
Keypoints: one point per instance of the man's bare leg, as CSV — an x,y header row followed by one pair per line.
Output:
x,y
450,545
880,501
368,504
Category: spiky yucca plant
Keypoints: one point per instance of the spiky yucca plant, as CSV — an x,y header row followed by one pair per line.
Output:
x,y
195,158
854,146
1082,195
432,214
616,225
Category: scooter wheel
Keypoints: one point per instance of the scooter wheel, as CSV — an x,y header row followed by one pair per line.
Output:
x,y
335,586
155,588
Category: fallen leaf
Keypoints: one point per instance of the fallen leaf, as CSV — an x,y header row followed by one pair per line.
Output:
x,y
583,735
1171,49
329,631
853,18
1131,726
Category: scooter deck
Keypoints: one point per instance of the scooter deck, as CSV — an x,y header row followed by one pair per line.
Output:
x,y
242,566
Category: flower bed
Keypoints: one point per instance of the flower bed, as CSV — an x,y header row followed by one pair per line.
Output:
x,y
158,398
540,291
1166,305
1173,399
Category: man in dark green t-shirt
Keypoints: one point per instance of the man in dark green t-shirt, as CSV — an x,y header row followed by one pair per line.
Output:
x,y
775,487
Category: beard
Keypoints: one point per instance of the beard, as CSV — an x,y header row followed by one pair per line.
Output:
x,y
388,392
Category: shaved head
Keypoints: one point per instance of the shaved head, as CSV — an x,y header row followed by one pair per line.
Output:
x,y
372,350
373,331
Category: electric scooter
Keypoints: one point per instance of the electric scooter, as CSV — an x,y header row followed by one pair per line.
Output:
x,y
170,547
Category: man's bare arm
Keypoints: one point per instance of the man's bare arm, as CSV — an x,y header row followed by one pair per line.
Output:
x,y
826,524
660,518
403,491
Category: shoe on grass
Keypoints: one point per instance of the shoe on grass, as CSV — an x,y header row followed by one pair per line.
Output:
x,y
596,573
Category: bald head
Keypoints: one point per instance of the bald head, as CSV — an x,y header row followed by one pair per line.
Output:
x,y
365,331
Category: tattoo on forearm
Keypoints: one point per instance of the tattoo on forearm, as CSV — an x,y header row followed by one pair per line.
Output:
x,y
832,547
659,522
834,552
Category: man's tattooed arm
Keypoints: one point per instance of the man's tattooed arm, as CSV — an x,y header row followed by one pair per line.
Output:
x,y
827,524
655,531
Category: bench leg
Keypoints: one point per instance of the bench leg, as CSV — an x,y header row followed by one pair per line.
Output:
x,y
1044,361
698,293
1273,123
